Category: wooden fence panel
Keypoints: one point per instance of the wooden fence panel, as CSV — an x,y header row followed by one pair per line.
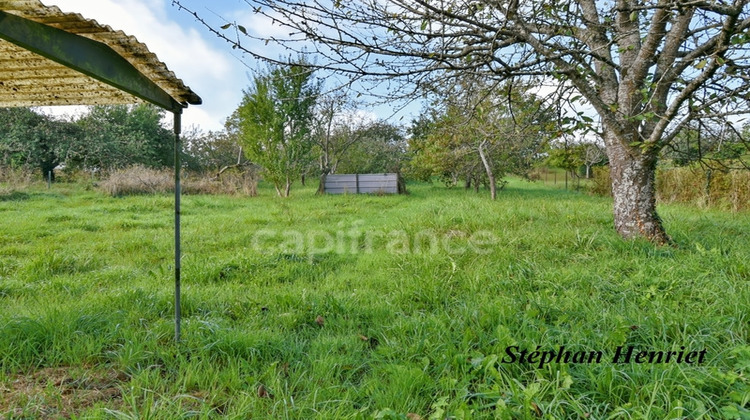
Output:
x,y
362,184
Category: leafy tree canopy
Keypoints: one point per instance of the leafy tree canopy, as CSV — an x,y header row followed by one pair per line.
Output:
x,y
274,122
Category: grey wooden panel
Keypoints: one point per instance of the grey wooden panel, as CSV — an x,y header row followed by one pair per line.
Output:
x,y
368,183
341,178
378,177
385,190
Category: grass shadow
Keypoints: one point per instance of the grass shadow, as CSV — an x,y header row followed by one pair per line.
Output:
x,y
13,196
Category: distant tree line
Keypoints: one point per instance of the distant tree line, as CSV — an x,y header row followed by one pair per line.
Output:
x,y
290,130
282,127
103,139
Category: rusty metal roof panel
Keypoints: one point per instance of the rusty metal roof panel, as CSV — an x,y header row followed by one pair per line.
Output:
x,y
29,79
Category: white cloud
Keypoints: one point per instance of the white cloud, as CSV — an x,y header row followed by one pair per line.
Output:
x,y
199,58
211,73
361,116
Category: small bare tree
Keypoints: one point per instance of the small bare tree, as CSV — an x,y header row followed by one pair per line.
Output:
x,y
337,127
593,154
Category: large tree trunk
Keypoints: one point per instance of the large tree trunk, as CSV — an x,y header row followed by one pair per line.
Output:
x,y
633,175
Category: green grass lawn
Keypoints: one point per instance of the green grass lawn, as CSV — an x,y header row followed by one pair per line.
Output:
x,y
388,307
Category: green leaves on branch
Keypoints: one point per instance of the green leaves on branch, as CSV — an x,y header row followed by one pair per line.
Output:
x,y
239,27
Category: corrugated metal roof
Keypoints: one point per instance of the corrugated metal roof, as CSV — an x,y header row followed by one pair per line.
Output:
x,y
29,79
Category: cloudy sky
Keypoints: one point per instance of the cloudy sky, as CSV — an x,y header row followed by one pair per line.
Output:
x,y
198,58
204,62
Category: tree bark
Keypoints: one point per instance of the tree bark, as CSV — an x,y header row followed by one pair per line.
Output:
x,y
633,175
288,187
322,185
488,168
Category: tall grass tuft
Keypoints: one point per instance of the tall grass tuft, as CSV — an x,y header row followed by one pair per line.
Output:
x,y
14,179
728,190
228,183
705,188
138,180
600,182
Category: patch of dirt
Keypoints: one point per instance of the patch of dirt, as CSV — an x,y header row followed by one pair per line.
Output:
x,y
59,392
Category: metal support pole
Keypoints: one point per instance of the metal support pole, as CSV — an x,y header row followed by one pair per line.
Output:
x,y
177,166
